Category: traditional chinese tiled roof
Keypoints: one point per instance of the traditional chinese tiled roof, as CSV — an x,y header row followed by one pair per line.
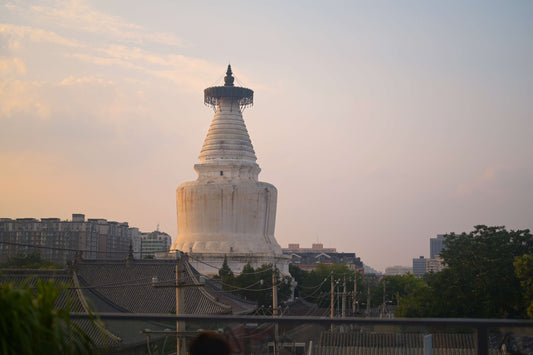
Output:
x,y
119,286
129,288
71,299
392,343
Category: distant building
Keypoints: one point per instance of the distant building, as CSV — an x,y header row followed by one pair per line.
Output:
x,y
58,241
434,264
398,270
136,242
309,258
419,266
155,242
436,245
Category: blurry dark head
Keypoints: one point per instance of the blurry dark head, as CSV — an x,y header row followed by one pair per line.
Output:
x,y
209,343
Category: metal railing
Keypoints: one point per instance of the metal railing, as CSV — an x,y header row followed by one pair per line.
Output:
x,y
480,327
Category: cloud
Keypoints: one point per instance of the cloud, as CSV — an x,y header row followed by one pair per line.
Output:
x,y
71,80
12,66
78,15
495,181
22,97
15,34
118,44
178,69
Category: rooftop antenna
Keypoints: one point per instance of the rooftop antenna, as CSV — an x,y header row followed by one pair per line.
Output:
x,y
157,229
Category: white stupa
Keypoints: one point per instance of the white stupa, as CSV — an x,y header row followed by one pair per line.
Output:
x,y
227,212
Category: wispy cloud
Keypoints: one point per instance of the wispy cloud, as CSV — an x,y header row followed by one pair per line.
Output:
x,y
118,43
15,34
79,15
491,182
71,80
22,97
12,66
178,69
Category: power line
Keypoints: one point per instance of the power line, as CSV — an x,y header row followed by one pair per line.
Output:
x,y
242,273
63,248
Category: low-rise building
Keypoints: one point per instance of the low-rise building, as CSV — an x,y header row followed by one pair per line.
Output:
x,y
434,264
309,258
155,242
398,270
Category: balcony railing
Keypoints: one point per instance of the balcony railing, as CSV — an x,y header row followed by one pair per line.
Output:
x,y
323,336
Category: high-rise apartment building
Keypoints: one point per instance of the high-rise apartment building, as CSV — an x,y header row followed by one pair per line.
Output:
x,y
436,245
59,241
419,266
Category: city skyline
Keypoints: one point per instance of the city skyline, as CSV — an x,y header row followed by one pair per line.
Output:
x,y
381,125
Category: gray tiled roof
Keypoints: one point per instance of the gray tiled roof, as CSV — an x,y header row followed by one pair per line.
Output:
x,y
128,287
117,286
69,299
397,340
395,343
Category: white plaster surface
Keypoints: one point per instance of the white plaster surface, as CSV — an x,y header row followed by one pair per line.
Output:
x,y
227,210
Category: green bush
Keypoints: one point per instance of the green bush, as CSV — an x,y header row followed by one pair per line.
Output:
x,y
30,322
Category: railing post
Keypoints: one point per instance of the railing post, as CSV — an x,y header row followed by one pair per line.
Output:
x,y
482,340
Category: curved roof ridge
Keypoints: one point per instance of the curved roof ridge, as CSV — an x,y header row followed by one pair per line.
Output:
x,y
85,306
202,289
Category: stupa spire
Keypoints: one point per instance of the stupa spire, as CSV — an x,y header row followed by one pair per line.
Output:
x,y
228,79
243,96
227,146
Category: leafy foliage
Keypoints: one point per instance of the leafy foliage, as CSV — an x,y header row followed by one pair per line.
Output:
x,y
479,280
256,285
30,323
29,261
524,271
315,285
413,296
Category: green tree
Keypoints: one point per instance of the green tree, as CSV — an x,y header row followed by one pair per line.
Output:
x,y
480,279
30,323
524,271
315,285
225,274
32,260
413,296
256,285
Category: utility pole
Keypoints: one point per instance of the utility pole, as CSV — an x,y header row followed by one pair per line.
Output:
x,y
180,297
355,304
343,311
384,306
275,308
180,285
332,300
368,300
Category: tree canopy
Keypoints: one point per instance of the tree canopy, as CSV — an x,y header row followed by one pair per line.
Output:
x,y
485,274
256,284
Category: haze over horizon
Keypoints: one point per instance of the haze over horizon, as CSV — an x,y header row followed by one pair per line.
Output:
x,y
381,124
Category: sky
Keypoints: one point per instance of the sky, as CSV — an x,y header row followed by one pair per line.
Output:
x,y
381,123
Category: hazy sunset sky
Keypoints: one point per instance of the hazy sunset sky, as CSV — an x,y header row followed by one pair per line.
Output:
x,y
381,123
